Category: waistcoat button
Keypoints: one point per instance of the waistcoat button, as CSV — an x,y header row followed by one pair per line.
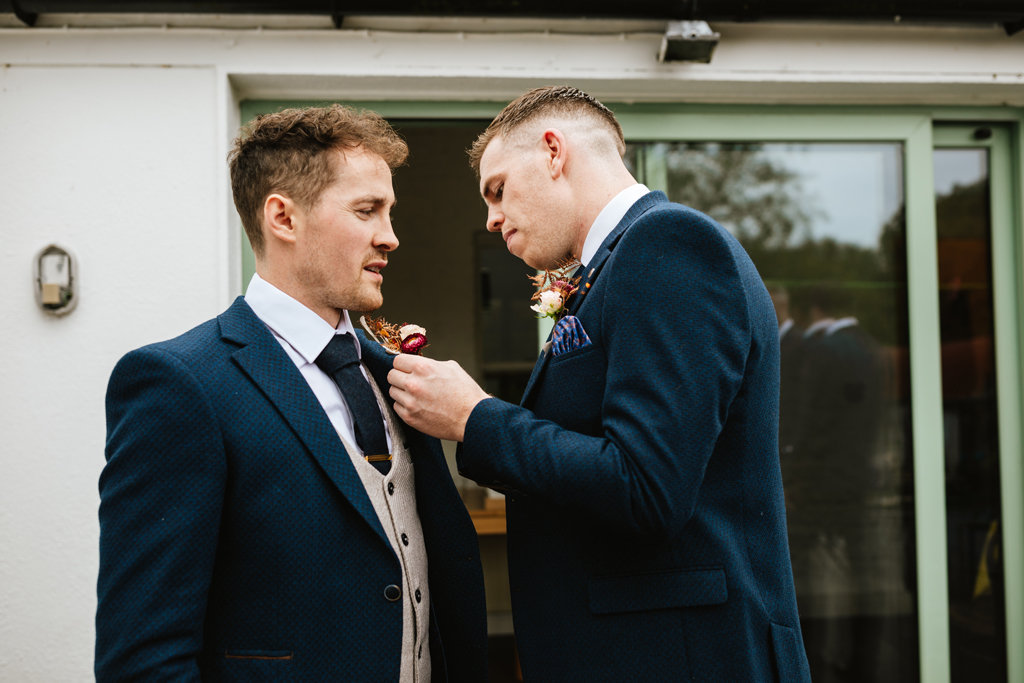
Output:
x,y
392,593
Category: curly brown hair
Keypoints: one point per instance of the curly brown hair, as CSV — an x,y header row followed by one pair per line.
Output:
x,y
289,152
553,99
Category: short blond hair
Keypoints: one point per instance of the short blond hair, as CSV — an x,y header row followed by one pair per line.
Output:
x,y
290,152
561,100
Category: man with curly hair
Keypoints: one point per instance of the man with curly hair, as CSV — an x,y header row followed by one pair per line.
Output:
x,y
260,515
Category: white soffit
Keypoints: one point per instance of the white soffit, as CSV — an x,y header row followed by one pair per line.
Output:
x,y
754,62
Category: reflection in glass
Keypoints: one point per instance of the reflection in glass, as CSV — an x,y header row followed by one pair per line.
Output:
x,y
508,328
824,225
976,596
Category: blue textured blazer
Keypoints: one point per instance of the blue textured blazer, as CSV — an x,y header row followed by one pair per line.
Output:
x,y
236,539
646,524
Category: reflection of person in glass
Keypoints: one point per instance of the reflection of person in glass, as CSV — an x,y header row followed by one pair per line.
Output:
x,y
646,521
837,424
790,348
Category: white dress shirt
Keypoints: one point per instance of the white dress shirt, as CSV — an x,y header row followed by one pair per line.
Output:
x,y
785,327
609,217
818,326
303,335
840,324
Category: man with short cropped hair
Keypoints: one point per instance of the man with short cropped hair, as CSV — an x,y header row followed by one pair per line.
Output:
x,y
260,515
646,524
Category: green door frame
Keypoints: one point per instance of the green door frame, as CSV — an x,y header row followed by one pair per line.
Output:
x,y
913,127
1006,283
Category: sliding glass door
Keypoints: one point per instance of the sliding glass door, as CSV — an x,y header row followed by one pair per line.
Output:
x,y
825,224
891,248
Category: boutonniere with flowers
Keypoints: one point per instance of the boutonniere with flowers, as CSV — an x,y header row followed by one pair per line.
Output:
x,y
396,339
554,287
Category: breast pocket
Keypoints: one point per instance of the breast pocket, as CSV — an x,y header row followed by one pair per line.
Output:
x,y
571,391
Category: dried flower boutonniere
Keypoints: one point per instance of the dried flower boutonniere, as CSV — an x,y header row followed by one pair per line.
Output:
x,y
554,287
396,339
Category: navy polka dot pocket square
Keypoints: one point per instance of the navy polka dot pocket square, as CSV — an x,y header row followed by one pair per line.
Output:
x,y
568,335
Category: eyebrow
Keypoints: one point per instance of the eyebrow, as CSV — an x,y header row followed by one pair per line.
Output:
x,y
487,191
376,200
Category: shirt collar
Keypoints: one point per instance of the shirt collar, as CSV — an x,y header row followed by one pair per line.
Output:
x,y
785,327
609,217
299,326
818,326
840,324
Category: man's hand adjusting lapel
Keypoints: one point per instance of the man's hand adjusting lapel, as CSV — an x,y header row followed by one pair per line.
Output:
x,y
434,397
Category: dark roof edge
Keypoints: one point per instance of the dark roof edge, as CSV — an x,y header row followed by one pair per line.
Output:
x,y
1008,13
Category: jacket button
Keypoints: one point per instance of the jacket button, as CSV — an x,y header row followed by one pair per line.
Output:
x,y
392,593
405,539
419,596
391,488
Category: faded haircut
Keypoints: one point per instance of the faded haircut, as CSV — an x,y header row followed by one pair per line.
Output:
x,y
558,100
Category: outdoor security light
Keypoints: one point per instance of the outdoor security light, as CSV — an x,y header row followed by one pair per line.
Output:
x,y
688,41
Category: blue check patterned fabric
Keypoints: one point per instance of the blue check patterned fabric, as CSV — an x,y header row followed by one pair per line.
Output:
x,y
568,335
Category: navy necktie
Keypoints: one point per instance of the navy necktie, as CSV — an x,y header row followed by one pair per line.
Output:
x,y
340,361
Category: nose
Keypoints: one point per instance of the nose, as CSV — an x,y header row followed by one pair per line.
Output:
x,y
495,219
385,239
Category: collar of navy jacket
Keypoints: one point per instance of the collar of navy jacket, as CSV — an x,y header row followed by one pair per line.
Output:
x,y
593,269
261,357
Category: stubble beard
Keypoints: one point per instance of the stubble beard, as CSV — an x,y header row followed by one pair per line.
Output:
x,y
364,306
361,297
552,258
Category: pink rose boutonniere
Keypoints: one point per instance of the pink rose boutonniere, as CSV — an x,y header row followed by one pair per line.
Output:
x,y
554,288
396,339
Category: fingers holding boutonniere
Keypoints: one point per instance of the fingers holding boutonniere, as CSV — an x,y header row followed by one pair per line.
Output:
x,y
432,396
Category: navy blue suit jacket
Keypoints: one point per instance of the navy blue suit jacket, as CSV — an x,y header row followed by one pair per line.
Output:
x,y
236,539
646,524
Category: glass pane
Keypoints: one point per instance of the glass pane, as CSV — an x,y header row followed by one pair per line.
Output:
x,y
508,328
824,224
976,598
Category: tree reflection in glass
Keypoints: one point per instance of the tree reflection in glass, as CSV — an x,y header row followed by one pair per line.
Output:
x,y
824,224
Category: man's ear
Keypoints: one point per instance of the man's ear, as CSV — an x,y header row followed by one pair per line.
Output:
x,y
279,214
556,150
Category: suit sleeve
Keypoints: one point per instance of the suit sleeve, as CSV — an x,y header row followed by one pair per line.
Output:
x,y
161,494
676,334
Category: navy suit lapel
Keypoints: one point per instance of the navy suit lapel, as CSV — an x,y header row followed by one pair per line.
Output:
x,y
261,357
639,208
537,367
379,362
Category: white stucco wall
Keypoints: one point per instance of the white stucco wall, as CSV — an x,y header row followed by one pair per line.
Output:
x,y
112,144
120,166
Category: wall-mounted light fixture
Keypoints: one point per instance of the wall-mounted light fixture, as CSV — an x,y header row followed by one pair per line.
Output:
x,y
56,280
688,41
